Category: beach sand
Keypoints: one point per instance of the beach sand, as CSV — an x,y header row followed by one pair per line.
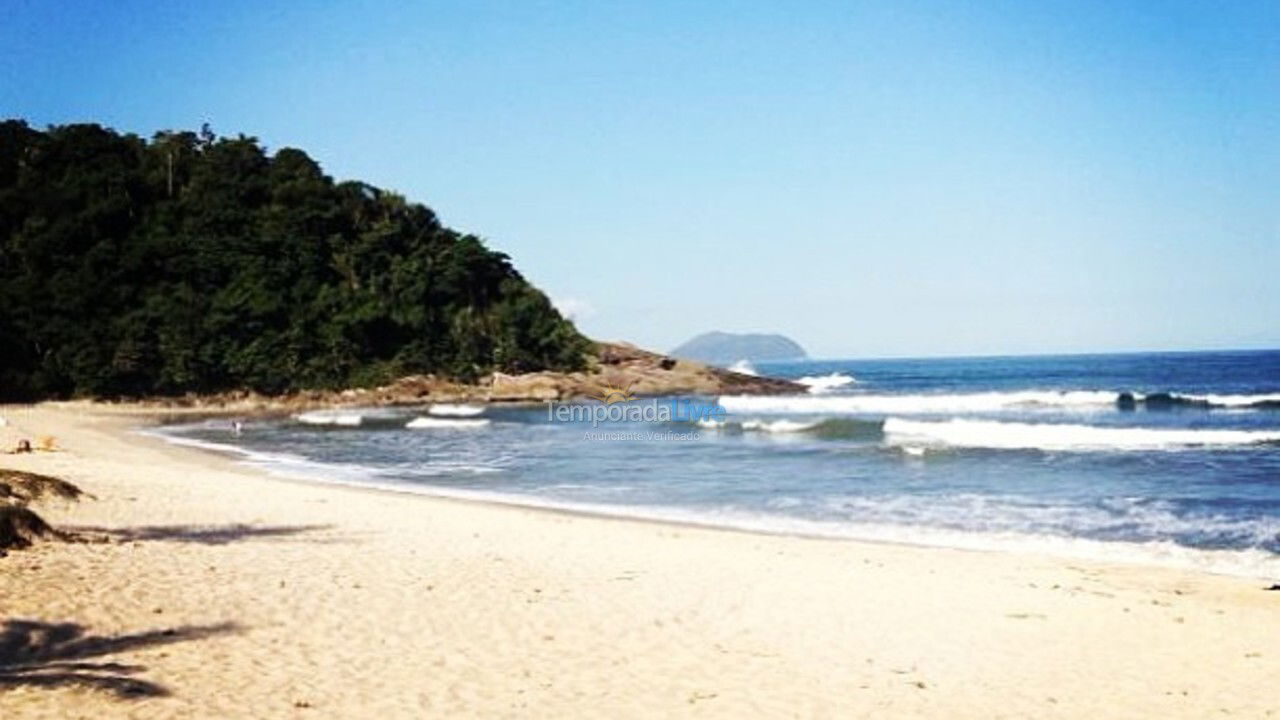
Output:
x,y
227,593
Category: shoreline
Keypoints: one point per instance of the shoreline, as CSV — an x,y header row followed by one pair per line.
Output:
x,y
348,600
1253,565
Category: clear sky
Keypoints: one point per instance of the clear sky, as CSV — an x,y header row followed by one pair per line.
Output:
x,y
871,178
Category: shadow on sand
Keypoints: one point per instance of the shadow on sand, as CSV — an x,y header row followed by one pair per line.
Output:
x,y
53,655
204,534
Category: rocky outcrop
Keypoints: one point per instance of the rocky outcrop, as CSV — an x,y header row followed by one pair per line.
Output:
x,y
641,372
619,365
654,374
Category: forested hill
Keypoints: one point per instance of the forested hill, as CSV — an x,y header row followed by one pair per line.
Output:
x,y
192,262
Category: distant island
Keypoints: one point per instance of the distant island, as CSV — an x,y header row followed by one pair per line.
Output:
x,y
724,349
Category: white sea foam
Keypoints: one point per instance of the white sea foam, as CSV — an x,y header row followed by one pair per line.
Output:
x,y
424,423
765,426
825,383
778,426
892,520
1252,563
1052,436
452,410
1235,401
1131,518
743,367
277,463
958,402
290,465
905,404
330,417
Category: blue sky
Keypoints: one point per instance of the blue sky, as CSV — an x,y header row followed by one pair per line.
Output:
x,y
871,178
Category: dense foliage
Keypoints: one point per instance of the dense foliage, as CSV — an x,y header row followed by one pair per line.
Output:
x,y
198,263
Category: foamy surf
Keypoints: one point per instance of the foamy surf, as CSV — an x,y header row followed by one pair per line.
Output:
x,y
818,384
326,417
932,403
1237,401
1182,472
280,464
778,426
455,410
298,467
960,433
1247,562
427,423
826,428
902,520
906,404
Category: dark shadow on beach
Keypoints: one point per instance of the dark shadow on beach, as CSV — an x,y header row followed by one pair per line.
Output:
x,y
53,655
206,534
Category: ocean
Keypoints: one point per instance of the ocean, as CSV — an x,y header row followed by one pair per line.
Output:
x,y
1155,458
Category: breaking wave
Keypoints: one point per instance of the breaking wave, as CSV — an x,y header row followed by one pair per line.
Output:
x,y
826,383
778,426
906,404
324,417
1053,436
430,423
455,410
990,401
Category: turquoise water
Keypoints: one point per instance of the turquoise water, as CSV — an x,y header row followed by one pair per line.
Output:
x,y
1170,458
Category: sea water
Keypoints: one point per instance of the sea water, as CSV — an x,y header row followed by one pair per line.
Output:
x,y
1160,458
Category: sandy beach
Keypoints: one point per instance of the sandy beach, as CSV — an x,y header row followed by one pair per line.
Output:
x,y
223,592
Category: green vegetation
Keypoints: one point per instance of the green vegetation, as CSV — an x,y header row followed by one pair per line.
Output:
x,y
199,263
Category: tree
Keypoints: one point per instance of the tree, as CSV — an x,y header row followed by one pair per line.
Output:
x,y
201,263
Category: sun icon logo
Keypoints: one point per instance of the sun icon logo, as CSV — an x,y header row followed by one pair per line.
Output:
x,y
610,394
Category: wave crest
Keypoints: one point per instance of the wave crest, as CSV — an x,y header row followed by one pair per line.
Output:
x,y
907,404
434,423
989,401
322,417
1052,436
455,410
826,383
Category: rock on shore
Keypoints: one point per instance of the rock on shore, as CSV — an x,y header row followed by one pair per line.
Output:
x,y
618,365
